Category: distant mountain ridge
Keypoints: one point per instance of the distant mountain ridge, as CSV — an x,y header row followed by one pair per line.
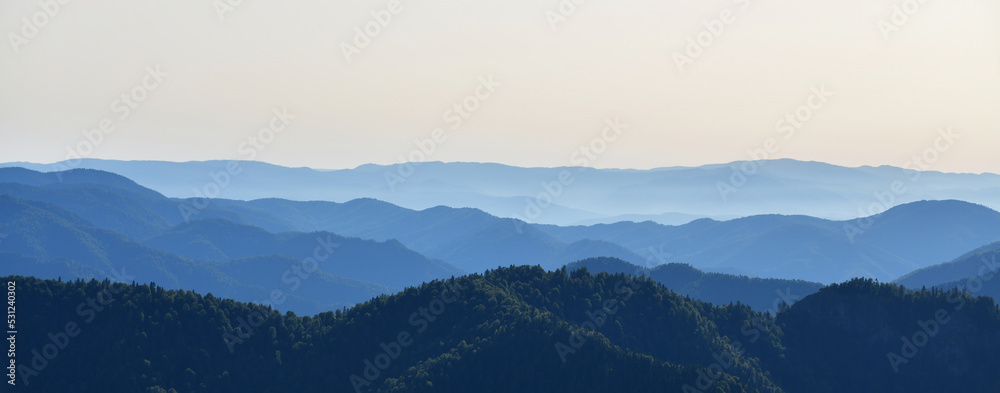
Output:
x,y
46,241
782,186
894,243
719,289
885,246
980,262
463,237
219,240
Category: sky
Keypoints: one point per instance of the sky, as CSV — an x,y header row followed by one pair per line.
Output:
x,y
609,84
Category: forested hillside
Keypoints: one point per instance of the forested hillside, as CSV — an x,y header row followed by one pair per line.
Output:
x,y
511,329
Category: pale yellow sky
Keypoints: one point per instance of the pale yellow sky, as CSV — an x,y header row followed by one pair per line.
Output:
x,y
554,88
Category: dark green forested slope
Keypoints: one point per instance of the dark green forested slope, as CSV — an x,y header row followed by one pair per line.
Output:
x,y
867,336
509,330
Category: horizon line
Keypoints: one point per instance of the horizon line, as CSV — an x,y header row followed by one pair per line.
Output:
x,y
677,167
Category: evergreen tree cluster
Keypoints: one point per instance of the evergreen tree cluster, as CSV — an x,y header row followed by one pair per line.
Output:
x,y
511,329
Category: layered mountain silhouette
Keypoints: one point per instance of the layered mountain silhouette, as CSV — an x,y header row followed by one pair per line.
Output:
x,y
980,262
716,288
723,191
365,295
885,246
388,262
46,241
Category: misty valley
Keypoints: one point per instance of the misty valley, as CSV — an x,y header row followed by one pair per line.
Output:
x,y
116,287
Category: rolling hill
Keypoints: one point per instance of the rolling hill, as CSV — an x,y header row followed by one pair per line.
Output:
x,y
889,245
978,262
719,289
467,238
48,242
885,246
787,187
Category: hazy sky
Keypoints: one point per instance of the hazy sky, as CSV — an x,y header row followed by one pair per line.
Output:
x,y
938,66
